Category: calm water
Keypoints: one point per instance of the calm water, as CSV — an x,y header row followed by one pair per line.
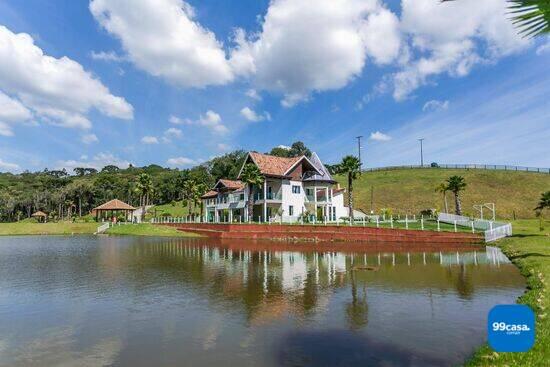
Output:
x,y
123,301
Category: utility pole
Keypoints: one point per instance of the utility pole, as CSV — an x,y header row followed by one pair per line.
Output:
x,y
359,147
421,153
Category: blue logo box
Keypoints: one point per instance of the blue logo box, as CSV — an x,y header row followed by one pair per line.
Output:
x,y
511,328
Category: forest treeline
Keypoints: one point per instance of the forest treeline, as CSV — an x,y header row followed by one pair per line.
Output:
x,y
63,195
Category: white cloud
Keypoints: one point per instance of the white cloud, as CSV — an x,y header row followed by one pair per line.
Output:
x,y
162,38
107,56
89,139
149,140
176,120
11,111
210,120
435,105
180,162
173,133
58,91
253,93
544,48
99,161
223,147
284,147
458,35
6,166
251,115
378,136
307,46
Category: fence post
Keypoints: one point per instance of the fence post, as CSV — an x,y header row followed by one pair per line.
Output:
x,y
422,223
406,222
377,222
455,225
473,228
438,227
391,221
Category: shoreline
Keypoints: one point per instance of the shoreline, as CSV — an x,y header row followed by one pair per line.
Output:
x,y
529,251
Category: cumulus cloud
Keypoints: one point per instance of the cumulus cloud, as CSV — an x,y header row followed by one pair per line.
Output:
x,y
435,105
149,140
173,133
11,111
251,115
7,166
180,162
253,93
89,139
378,136
453,40
210,120
162,38
98,161
307,46
57,91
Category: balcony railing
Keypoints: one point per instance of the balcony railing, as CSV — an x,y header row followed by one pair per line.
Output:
x,y
269,195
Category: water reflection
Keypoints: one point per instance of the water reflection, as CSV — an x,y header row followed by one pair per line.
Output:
x,y
146,301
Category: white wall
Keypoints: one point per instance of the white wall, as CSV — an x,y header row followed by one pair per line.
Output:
x,y
338,202
296,200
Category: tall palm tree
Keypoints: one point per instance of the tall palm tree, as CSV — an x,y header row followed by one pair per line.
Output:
x,y
253,178
456,184
531,17
442,188
144,188
351,166
544,203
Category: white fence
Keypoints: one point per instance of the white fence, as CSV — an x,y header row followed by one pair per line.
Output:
x,y
102,228
493,230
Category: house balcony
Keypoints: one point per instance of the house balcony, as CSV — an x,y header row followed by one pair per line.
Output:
x,y
270,196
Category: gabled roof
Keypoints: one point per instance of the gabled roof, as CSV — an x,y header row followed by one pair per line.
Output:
x,y
323,174
115,204
230,184
210,194
271,165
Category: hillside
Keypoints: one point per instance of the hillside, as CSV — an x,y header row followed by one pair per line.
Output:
x,y
412,190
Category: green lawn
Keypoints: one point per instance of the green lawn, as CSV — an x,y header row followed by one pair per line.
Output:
x,y
59,228
146,229
412,190
529,250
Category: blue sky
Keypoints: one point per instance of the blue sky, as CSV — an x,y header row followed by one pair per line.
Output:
x,y
175,83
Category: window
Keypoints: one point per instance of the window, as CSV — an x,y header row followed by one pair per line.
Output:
x,y
295,189
291,208
309,192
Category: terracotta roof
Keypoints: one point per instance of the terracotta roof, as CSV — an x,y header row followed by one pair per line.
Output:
x,y
231,184
39,214
115,204
337,191
272,165
210,194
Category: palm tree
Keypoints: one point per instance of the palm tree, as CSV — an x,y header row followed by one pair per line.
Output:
x,y
189,190
442,188
544,203
144,188
456,184
351,166
531,17
252,177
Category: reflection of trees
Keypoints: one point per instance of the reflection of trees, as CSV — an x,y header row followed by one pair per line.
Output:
x,y
464,284
357,311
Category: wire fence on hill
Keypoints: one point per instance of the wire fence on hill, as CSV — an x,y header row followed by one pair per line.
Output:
x,y
465,166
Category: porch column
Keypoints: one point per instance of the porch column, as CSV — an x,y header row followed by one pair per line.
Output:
x,y
315,201
265,201
216,216
230,216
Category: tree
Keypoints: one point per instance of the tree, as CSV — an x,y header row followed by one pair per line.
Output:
x,y
298,149
531,17
252,177
350,166
144,188
442,188
456,184
227,166
110,169
189,190
544,203
280,151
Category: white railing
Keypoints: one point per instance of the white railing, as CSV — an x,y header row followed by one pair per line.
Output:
x,y
102,228
498,232
493,230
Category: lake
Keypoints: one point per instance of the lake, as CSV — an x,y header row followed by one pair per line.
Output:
x,y
129,301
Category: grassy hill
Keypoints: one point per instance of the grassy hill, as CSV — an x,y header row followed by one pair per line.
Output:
x,y
412,190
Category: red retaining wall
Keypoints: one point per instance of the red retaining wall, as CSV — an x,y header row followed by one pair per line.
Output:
x,y
326,233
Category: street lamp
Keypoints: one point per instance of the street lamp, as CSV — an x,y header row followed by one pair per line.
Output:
x,y
421,153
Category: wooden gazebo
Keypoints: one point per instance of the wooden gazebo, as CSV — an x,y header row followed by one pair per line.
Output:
x,y
111,208
40,216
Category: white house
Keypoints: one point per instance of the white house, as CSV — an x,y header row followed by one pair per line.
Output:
x,y
293,188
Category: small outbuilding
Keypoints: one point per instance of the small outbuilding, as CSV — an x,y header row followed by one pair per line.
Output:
x,y
112,208
40,216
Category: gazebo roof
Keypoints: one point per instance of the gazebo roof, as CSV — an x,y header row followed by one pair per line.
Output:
x,y
115,204
39,214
